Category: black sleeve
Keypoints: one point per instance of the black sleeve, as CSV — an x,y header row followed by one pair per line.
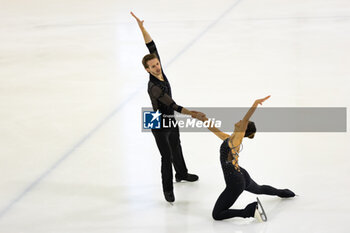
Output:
x,y
157,93
152,48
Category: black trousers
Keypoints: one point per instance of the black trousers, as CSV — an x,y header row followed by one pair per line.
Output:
x,y
169,145
235,185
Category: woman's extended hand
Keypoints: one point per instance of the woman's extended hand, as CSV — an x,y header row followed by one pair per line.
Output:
x,y
199,115
260,101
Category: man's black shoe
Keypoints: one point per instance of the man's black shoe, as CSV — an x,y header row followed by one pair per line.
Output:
x,y
189,177
169,196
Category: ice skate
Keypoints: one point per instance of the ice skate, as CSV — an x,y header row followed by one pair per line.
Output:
x,y
260,214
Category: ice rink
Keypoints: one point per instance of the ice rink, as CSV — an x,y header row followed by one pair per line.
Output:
x,y
73,158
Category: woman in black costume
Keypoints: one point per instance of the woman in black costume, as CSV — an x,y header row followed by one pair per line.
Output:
x,y
237,178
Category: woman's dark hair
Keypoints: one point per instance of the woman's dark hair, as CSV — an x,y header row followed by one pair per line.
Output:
x,y
250,131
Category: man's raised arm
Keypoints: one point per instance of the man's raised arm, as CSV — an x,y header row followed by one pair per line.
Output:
x,y
145,34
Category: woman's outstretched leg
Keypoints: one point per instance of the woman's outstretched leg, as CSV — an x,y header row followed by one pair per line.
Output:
x,y
268,190
226,199
253,187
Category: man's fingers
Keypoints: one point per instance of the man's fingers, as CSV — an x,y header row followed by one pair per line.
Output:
x,y
135,16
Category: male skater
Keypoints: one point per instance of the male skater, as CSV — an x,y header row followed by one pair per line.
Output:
x,y
167,139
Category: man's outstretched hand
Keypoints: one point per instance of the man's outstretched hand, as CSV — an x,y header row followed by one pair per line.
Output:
x,y
139,22
199,115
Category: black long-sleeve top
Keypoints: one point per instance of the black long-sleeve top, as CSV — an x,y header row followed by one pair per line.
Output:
x,y
160,91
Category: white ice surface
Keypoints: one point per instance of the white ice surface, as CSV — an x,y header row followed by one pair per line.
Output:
x,y
72,155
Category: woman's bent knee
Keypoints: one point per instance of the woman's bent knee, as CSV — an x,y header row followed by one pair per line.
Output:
x,y
216,216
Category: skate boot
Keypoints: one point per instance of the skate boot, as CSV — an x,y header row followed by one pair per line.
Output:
x,y
286,193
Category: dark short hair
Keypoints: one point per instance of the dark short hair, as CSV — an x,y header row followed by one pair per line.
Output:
x,y
251,129
147,58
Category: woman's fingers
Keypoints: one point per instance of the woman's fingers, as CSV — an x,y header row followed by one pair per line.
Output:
x,y
267,97
260,101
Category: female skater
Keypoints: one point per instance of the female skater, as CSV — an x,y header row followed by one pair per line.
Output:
x,y
237,178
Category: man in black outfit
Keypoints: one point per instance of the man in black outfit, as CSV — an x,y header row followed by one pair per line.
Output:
x,y
167,139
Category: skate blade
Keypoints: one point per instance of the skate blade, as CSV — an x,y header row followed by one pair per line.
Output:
x,y
261,211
